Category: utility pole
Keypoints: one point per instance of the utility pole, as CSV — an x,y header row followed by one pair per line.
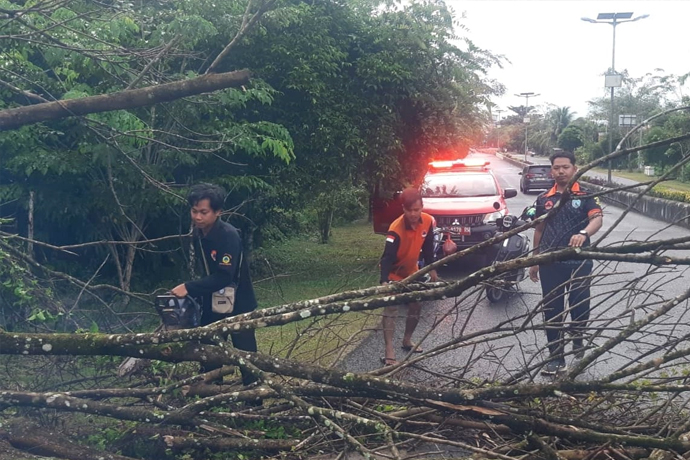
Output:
x,y
526,119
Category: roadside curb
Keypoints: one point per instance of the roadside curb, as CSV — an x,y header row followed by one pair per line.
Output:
x,y
513,161
672,212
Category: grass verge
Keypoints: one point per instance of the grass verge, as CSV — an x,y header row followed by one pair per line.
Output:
x,y
640,177
301,268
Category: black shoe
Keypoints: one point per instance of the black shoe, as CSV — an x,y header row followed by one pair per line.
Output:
x,y
554,367
578,349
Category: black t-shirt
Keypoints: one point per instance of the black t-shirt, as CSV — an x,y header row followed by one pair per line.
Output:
x,y
222,250
571,216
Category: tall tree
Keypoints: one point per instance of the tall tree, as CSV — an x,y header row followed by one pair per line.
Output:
x,y
343,97
560,118
570,138
111,174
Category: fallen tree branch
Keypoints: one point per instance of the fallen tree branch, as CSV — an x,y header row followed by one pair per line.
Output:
x,y
48,446
122,100
218,444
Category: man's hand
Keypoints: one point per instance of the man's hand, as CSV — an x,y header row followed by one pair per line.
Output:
x,y
180,291
534,273
433,276
576,241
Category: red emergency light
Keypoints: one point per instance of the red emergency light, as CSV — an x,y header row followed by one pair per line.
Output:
x,y
459,164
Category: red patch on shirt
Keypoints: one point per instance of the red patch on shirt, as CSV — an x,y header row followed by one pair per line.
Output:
x,y
213,255
548,205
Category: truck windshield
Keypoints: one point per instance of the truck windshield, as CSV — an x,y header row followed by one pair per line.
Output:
x,y
458,185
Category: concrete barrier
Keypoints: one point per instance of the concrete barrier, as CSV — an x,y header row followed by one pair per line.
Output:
x,y
673,212
519,163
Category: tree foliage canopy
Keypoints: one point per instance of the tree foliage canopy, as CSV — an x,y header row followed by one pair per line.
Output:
x,y
346,99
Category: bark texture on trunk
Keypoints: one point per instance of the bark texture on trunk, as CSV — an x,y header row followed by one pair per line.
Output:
x,y
122,100
30,235
49,446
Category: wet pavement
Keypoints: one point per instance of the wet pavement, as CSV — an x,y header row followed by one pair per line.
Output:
x,y
509,352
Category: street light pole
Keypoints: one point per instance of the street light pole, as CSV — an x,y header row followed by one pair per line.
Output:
x,y
526,118
615,80
614,23
498,134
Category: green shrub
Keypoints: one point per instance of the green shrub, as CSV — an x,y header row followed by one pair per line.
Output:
x,y
669,194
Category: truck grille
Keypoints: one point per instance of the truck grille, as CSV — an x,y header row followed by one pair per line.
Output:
x,y
470,220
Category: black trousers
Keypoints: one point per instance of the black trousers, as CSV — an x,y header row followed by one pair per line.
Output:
x,y
555,280
245,340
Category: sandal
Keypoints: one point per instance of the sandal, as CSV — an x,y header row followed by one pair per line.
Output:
x,y
389,361
414,348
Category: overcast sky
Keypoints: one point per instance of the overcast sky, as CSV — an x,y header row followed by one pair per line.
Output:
x,y
554,53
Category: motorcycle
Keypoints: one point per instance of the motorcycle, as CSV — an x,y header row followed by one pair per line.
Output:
x,y
513,247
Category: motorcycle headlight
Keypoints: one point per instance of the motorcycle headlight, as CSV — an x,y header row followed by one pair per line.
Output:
x,y
492,217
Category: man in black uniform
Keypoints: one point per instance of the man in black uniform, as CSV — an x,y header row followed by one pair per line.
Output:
x,y
572,224
222,257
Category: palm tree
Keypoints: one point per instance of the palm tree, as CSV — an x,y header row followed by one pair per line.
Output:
x,y
560,118
520,110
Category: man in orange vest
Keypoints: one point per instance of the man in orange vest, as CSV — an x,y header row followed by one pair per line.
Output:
x,y
407,236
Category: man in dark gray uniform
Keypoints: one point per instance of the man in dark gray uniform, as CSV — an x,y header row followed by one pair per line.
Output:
x,y
577,218
220,248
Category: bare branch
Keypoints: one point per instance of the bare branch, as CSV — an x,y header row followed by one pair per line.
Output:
x,y
247,24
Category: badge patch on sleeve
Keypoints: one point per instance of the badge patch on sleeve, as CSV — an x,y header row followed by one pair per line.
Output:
x,y
226,260
213,255
390,239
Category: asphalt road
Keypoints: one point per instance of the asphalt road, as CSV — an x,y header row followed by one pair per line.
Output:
x,y
613,306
